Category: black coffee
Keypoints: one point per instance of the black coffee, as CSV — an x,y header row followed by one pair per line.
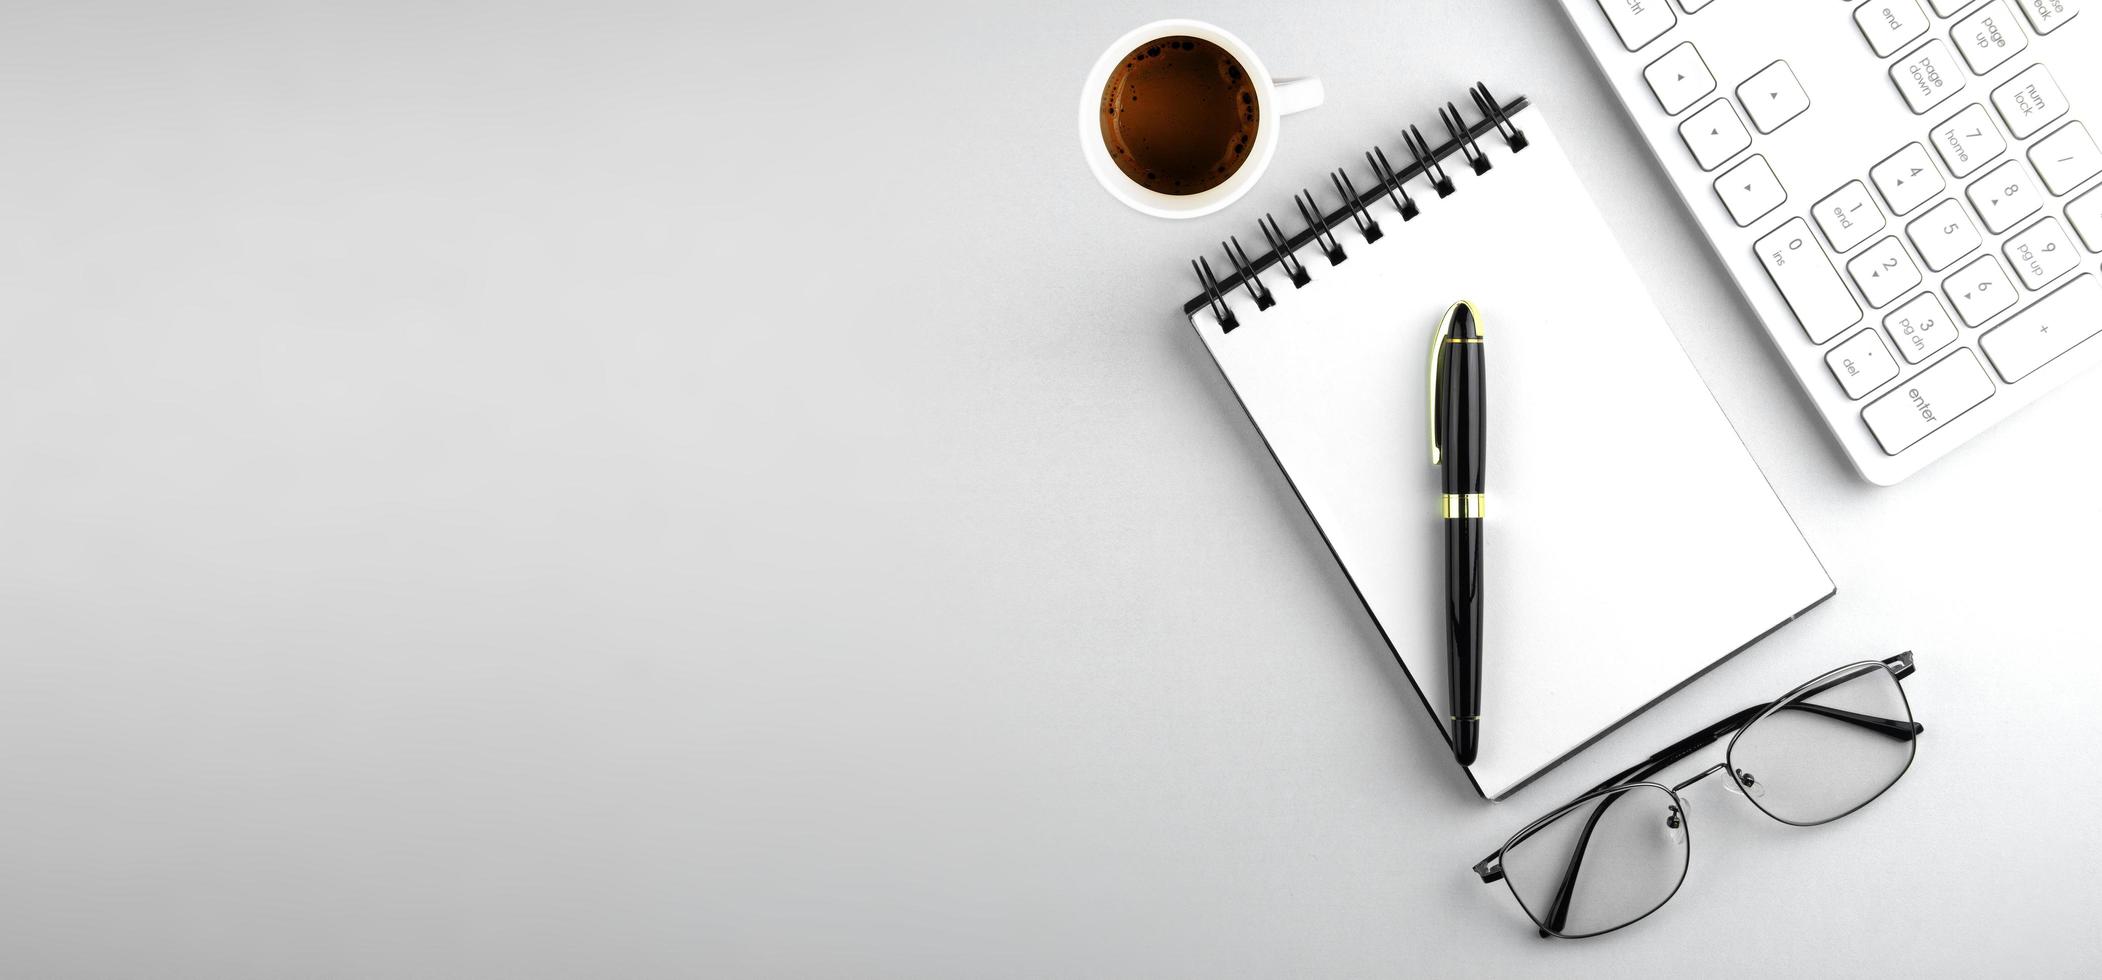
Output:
x,y
1179,115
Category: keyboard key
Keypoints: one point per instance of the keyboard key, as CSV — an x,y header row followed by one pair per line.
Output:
x,y
1750,190
2055,324
2046,15
1920,327
2086,217
2029,101
1968,141
1848,217
1931,399
1804,275
1979,291
1679,79
2041,253
2067,158
1861,363
1943,235
1908,179
1714,134
1927,76
1638,22
1989,37
1773,97
1888,25
2005,195
1884,272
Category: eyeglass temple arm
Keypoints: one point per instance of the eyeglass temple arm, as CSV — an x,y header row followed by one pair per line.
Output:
x,y
1490,869
1892,728
1897,729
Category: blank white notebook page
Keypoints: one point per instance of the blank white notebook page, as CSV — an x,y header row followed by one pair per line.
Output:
x,y
1631,541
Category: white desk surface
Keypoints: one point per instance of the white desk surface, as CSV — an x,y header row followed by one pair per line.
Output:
x,y
671,489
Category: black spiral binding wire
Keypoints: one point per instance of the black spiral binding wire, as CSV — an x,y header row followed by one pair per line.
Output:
x,y
1388,182
1457,127
1324,236
1358,215
1214,296
1513,136
1246,270
1393,185
1283,249
1427,162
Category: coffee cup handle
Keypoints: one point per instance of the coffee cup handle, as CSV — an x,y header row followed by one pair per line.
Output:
x,y
1298,94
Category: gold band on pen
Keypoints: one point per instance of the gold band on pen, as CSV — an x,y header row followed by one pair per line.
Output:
x,y
1465,717
1451,505
1463,340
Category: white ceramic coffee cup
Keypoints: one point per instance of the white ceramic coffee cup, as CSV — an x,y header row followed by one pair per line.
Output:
x,y
1274,98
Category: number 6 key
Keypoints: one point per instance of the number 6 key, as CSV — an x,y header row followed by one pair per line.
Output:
x,y
1979,291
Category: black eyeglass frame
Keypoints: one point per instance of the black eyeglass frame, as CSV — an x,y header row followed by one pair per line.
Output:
x,y
1901,666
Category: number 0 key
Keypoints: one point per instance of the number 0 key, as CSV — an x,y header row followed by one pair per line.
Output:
x,y
1805,276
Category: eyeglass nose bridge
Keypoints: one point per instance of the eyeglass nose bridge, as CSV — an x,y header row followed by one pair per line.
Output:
x,y
1703,774
1740,782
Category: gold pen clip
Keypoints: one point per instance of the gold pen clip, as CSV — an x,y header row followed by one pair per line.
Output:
x,y
1437,352
1439,342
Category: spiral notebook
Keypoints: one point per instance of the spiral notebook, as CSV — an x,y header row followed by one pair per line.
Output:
x,y
1632,543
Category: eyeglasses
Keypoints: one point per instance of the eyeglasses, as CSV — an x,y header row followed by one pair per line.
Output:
x,y
1619,852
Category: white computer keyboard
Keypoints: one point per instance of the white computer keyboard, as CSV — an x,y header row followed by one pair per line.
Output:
x,y
1904,190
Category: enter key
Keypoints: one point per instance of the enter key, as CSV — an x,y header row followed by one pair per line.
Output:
x,y
2056,324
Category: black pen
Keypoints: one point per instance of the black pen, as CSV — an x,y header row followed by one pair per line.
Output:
x,y
1459,412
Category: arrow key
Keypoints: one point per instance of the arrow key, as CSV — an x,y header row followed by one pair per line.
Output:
x,y
1750,190
1679,79
1714,134
1773,97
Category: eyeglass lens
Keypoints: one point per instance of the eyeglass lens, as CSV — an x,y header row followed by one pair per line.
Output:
x,y
1604,863
1826,750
